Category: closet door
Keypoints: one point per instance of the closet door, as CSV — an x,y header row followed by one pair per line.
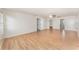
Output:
x,y
1,27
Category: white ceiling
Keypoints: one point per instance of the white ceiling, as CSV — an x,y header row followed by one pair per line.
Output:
x,y
45,12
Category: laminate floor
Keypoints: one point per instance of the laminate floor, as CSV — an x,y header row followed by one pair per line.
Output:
x,y
43,40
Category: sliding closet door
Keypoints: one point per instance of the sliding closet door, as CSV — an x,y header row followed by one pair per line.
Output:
x,y
1,27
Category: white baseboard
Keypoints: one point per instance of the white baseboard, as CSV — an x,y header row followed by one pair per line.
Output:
x,y
17,34
9,36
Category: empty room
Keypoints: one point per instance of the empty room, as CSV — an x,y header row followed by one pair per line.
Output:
x,y
39,28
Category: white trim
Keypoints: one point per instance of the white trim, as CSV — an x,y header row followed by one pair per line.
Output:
x,y
6,36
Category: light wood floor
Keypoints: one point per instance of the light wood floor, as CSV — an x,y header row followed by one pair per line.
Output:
x,y
43,40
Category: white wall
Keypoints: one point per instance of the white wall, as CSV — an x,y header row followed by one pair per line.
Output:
x,y
56,23
70,22
19,23
1,26
43,23
46,24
